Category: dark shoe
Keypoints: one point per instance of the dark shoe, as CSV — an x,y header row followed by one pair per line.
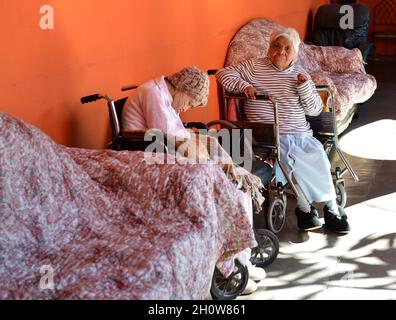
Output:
x,y
336,222
308,220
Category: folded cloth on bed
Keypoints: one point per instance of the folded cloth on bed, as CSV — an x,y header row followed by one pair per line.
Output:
x,y
206,149
109,225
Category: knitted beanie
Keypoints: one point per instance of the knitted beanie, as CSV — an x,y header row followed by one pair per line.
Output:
x,y
192,81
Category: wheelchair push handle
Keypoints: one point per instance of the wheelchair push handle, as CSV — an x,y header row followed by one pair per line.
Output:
x,y
91,98
129,87
95,97
196,125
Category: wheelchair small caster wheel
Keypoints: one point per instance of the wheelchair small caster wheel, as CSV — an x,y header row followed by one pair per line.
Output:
x,y
267,250
231,287
276,215
279,187
338,173
341,196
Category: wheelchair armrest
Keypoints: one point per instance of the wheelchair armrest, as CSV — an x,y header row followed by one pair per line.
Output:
x,y
263,134
322,87
135,140
140,135
240,96
196,125
212,72
227,124
134,134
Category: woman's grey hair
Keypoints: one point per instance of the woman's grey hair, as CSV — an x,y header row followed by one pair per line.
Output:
x,y
288,33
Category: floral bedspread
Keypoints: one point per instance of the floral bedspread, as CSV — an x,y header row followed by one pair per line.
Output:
x,y
100,224
340,68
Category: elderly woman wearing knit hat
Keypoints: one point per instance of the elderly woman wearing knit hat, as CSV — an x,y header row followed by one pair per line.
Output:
x,y
157,103
302,155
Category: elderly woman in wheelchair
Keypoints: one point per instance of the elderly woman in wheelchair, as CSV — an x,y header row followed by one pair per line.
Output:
x,y
157,104
302,158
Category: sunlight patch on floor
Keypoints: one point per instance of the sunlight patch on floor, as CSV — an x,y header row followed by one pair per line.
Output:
x,y
360,265
372,141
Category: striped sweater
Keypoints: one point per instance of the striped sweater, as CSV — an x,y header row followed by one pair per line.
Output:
x,y
294,101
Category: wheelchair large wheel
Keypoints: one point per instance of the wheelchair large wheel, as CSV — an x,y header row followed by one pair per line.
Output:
x,y
231,287
341,196
267,250
276,215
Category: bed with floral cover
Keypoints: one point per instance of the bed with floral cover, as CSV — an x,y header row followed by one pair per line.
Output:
x,y
340,68
110,225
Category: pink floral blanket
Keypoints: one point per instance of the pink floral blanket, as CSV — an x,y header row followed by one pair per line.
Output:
x,y
101,224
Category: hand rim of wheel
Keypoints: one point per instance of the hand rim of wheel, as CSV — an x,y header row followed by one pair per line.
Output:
x,y
271,209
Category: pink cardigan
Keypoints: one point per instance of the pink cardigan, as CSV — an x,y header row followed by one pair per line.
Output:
x,y
150,107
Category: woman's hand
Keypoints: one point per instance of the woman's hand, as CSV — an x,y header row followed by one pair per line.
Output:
x,y
250,93
301,78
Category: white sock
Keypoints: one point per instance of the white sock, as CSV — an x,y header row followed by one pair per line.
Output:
x,y
302,202
332,205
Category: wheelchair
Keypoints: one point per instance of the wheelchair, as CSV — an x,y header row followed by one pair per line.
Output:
x,y
266,136
268,244
265,152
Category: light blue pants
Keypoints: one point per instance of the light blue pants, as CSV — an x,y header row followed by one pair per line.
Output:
x,y
304,158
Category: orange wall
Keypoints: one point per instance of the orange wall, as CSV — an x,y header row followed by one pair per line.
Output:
x,y
102,45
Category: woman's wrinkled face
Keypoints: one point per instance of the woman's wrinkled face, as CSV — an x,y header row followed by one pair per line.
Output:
x,y
281,52
182,102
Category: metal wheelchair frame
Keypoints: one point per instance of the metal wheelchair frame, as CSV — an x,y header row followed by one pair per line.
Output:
x,y
325,129
265,148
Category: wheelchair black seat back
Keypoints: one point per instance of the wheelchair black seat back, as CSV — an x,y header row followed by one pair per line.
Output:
x,y
120,139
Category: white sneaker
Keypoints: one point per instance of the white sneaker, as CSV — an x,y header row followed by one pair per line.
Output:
x,y
250,287
256,274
